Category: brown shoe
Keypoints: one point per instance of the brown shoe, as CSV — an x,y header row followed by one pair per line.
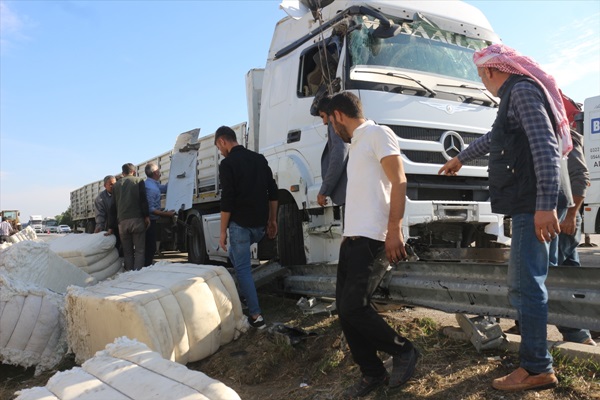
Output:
x,y
520,379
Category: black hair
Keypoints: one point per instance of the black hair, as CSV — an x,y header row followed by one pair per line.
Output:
x,y
226,133
347,103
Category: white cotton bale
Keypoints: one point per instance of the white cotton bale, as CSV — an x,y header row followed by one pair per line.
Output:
x,y
26,234
34,262
128,369
95,254
185,312
83,246
36,393
32,325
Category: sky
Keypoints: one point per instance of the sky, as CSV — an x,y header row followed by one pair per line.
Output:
x,y
86,86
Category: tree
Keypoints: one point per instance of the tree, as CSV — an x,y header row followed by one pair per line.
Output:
x,y
65,218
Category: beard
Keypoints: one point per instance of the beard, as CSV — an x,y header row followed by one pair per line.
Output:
x,y
341,131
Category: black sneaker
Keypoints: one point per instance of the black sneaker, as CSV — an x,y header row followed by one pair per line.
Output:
x,y
258,323
365,386
403,367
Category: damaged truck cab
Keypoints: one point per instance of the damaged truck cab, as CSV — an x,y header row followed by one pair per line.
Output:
x,y
411,65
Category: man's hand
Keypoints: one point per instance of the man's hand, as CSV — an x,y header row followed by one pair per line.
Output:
x,y
451,167
271,229
108,232
97,229
546,225
322,200
147,222
569,224
223,241
394,247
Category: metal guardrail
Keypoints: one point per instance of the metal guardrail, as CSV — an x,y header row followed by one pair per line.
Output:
x,y
470,288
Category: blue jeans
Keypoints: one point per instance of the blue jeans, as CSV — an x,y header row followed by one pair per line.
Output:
x,y
240,240
527,272
563,251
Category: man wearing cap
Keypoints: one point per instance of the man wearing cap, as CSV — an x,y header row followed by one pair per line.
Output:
x,y
525,145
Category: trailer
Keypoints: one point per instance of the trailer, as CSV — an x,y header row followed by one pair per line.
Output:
x,y
591,142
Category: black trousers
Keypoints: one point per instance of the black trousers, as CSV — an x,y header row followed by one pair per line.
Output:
x,y
150,243
362,264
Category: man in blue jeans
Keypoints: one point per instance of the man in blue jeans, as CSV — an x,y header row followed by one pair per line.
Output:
x,y
525,145
248,205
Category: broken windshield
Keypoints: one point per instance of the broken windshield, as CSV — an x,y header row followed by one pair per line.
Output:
x,y
420,46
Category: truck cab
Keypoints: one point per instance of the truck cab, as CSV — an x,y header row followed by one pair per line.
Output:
x,y
411,65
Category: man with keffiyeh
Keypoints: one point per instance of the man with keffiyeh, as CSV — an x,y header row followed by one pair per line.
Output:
x,y
525,145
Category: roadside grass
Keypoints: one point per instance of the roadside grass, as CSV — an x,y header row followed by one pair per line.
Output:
x,y
321,367
259,366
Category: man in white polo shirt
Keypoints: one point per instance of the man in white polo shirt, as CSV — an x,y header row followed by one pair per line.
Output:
x,y
375,202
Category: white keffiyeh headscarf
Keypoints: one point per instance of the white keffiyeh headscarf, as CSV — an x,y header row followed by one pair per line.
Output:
x,y
508,60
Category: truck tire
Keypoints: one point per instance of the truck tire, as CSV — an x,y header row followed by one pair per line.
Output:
x,y
196,245
290,239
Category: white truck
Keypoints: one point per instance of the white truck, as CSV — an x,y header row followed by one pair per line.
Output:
x,y
35,222
411,65
591,142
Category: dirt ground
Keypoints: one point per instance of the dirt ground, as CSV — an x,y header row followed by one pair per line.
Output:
x,y
262,365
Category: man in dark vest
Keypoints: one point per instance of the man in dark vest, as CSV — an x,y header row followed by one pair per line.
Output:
x,y
525,145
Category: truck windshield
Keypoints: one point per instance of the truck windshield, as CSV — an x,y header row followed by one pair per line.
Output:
x,y
420,46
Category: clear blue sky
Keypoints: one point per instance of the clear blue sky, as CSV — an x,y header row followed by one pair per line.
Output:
x,y
86,86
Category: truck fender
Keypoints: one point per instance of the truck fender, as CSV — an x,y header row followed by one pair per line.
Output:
x,y
293,175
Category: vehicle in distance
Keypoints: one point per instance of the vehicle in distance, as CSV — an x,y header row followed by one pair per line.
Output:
x,y
63,229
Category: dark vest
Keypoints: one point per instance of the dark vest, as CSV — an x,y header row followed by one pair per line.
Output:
x,y
513,184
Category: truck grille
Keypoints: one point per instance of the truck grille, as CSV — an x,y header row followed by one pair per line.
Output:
x,y
433,135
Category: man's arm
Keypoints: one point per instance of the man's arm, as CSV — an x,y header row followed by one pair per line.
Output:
x,y
101,214
338,154
273,193
112,223
527,104
580,178
272,223
225,217
144,203
394,241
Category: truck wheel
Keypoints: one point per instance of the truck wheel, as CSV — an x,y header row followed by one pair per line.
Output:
x,y
290,240
196,245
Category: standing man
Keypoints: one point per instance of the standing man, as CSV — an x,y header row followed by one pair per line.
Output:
x,y
103,203
5,230
333,162
372,240
248,204
153,191
563,249
524,146
130,215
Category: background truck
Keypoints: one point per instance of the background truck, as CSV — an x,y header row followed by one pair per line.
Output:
x,y
49,225
35,222
12,216
591,142
411,65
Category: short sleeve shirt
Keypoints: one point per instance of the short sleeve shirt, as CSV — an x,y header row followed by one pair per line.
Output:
x,y
368,191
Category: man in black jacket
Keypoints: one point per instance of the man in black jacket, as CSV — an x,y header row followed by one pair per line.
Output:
x,y
248,205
